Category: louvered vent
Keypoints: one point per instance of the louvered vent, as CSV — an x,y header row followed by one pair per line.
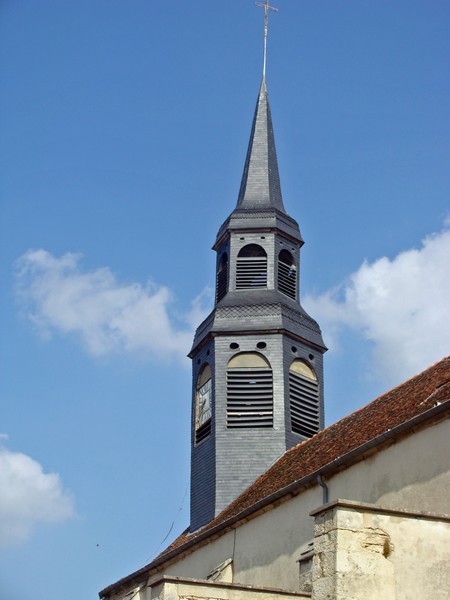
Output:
x,y
287,274
222,277
249,398
251,268
304,400
251,273
203,431
221,284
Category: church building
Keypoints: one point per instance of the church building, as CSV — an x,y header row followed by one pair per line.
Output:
x,y
282,507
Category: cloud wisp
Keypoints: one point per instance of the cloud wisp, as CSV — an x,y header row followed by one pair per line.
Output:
x,y
107,316
401,306
28,496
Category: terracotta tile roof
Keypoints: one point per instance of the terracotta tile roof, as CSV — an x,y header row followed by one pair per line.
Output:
x,y
400,405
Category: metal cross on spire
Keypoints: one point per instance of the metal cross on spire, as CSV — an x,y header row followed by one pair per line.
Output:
x,y
266,27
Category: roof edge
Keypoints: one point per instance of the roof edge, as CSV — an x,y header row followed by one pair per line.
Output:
x,y
231,585
292,488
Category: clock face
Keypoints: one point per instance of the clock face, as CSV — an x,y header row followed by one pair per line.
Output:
x,y
204,403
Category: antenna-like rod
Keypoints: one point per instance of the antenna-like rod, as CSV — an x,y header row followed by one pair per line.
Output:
x,y
266,28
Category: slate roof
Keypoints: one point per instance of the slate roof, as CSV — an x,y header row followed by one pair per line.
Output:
x,y
260,203
260,185
422,397
257,310
264,219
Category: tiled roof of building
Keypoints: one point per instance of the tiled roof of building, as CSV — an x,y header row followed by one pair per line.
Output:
x,y
337,442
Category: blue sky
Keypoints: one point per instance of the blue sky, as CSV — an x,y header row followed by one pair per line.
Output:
x,y
124,128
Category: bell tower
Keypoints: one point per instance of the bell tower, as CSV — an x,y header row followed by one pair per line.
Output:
x,y
258,357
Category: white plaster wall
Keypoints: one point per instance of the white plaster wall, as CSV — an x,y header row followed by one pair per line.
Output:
x,y
421,557
265,550
412,474
201,563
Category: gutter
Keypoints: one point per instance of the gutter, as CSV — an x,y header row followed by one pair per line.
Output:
x,y
324,487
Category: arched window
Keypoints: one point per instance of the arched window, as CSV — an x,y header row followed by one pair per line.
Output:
x,y
203,405
287,274
251,268
222,277
249,391
303,398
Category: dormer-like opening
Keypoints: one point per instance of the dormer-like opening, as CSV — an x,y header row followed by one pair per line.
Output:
x,y
287,274
203,404
222,277
249,391
251,268
303,398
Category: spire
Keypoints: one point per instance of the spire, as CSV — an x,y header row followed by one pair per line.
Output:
x,y
260,185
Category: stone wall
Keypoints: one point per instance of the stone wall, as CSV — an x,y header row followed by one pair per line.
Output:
x,y
364,552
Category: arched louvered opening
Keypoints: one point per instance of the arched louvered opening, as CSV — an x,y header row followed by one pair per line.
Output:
x,y
304,399
203,404
287,274
251,268
249,391
222,277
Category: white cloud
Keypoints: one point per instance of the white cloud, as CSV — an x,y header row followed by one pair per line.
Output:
x,y
107,316
402,306
28,496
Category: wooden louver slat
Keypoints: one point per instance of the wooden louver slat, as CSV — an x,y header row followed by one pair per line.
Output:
x,y
287,279
249,398
222,277
251,272
304,404
203,431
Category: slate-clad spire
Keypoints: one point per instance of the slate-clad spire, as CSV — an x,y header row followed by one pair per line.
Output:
x,y
260,185
257,362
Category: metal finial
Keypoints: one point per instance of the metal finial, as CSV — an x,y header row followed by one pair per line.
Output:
x,y
266,27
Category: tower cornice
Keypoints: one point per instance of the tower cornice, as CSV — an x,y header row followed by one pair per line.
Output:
x,y
262,220
264,311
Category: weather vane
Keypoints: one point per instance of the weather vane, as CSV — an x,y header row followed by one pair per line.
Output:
x,y
266,27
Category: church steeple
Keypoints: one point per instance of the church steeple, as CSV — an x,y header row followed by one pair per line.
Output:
x,y
257,359
260,185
